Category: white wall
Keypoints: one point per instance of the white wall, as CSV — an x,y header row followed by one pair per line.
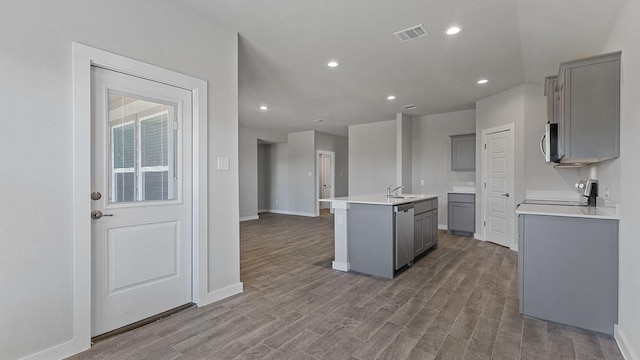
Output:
x,y
523,106
248,172
625,36
372,157
538,175
264,180
404,152
248,138
432,155
340,146
36,145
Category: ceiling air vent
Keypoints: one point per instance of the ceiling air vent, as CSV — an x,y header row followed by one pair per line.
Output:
x,y
409,107
411,33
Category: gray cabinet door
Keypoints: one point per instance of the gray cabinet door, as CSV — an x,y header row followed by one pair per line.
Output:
x,y
589,109
568,270
461,213
463,152
418,234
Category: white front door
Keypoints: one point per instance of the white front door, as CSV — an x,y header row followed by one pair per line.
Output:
x,y
499,177
141,199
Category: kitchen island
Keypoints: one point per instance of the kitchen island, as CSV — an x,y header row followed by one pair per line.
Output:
x,y
568,264
378,234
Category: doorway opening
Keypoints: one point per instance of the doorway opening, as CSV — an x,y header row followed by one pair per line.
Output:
x,y
325,180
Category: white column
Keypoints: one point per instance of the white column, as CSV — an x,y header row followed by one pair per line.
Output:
x,y
340,210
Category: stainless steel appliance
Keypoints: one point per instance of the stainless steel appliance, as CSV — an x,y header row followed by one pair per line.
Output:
x,y
588,190
549,144
404,223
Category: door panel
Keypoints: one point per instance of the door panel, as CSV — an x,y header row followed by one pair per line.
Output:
x,y
141,167
499,177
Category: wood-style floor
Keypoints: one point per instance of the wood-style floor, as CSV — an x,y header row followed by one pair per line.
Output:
x,y
457,302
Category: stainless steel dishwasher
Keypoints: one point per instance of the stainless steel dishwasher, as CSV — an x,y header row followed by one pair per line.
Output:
x,y
404,235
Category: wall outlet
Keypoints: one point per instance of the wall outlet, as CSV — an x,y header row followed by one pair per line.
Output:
x,y
276,202
607,193
339,219
422,182
223,163
309,173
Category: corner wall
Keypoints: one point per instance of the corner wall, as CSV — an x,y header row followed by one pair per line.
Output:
x,y
36,253
372,157
625,36
431,149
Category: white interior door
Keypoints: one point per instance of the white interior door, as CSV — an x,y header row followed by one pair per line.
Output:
x,y
327,184
499,178
141,199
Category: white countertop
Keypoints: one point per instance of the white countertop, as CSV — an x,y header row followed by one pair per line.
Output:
x,y
381,199
592,212
462,190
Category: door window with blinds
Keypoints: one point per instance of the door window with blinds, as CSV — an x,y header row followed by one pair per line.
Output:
x,y
142,149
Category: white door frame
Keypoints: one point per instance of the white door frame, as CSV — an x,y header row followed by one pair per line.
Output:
x,y
485,203
332,155
83,58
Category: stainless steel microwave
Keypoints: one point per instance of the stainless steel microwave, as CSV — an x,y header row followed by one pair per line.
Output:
x,y
549,144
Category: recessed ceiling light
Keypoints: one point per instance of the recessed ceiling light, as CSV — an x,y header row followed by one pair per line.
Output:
x,y
332,63
453,30
482,81
391,97
264,107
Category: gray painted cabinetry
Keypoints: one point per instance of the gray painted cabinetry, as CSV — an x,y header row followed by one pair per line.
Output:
x,y
463,152
375,243
568,270
587,97
425,225
461,213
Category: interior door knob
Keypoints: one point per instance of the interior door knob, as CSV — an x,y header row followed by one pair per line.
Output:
x,y
505,194
97,214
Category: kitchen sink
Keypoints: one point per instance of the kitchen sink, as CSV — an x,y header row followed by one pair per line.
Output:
x,y
402,197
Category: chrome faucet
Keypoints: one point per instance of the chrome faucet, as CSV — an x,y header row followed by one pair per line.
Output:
x,y
394,191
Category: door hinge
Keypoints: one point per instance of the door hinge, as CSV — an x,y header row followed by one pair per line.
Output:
x,y
485,146
176,124
485,184
485,223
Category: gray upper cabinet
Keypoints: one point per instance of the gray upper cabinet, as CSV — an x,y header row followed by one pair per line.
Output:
x,y
588,114
463,152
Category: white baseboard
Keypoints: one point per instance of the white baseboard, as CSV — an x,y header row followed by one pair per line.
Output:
x,y
478,236
220,294
61,351
262,210
340,266
252,217
443,227
284,212
623,344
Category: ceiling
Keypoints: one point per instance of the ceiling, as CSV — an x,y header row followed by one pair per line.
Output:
x,y
284,47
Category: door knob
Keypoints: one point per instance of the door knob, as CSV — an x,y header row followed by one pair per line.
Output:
x,y
505,194
97,214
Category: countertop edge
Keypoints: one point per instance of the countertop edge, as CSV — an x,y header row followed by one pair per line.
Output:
x,y
604,213
372,199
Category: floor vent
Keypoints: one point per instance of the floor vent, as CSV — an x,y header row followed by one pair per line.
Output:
x,y
411,33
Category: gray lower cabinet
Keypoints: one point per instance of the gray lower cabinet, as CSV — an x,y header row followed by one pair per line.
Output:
x,y
425,225
461,213
371,239
568,270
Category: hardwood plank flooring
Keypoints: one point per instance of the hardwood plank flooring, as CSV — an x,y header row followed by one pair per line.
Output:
x,y
457,302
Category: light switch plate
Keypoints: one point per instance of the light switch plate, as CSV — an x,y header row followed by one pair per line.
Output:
x,y
223,163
